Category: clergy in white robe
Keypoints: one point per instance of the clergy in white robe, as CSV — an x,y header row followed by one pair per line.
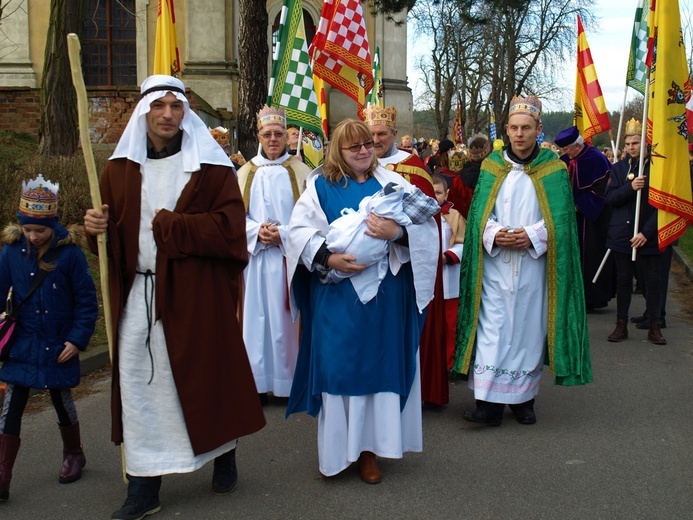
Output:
x,y
271,183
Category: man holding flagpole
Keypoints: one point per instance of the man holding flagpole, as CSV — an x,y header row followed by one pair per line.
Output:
x,y
621,192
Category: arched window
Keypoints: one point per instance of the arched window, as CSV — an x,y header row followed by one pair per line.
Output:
x,y
309,27
109,53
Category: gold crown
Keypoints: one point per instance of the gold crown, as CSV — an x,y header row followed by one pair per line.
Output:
x,y
376,115
271,116
529,105
633,127
221,135
39,198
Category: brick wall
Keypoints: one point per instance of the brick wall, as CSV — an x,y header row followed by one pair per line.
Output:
x,y
109,111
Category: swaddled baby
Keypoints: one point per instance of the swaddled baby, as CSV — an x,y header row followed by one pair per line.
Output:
x,y
347,234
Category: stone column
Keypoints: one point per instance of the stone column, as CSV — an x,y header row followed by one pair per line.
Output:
x,y
392,40
207,71
15,63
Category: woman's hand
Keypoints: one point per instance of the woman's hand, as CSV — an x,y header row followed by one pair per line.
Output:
x,y
345,263
69,352
383,228
95,221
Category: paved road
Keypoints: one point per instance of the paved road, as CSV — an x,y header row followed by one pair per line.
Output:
x,y
620,448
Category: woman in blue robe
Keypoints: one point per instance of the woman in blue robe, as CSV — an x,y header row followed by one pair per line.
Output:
x,y
358,363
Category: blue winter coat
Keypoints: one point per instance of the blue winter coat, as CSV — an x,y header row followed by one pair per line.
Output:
x,y
63,308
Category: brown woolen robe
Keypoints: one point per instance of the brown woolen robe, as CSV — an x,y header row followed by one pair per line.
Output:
x,y
201,251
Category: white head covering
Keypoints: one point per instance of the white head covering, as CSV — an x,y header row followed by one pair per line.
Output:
x,y
198,146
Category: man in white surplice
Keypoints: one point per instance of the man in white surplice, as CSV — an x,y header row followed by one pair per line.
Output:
x,y
271,183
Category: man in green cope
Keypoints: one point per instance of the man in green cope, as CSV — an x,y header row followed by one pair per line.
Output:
x,y
522,302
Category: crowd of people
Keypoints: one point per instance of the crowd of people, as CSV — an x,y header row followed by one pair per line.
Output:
x,y
354,291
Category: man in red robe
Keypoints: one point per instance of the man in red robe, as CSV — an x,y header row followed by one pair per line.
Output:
x,y
434,374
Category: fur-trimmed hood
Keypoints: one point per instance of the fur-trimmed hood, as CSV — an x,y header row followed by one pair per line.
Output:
x,y
73,234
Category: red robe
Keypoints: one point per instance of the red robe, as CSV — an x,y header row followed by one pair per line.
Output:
x,y
434,371
201,250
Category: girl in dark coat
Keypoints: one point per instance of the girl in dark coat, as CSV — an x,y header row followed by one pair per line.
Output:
x,y
54,323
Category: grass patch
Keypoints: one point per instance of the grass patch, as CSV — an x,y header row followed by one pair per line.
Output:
x,y
686,243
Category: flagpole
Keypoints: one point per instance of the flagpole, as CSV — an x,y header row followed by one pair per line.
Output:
x,y
620,123
643,147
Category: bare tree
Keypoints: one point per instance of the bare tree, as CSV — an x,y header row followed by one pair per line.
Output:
x,y
502,48
253,54
59,130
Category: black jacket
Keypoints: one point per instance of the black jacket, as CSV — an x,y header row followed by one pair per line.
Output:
x,y
622,197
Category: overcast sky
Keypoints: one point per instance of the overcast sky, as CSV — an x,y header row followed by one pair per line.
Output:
x,y
610,45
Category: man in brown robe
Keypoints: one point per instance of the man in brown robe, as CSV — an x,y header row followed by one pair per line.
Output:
x,y
183,391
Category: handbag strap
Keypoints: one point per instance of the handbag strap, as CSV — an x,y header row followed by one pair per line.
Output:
x,y
34,285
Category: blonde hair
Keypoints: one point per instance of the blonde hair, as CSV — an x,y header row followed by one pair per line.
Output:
x,y
348,132
41,251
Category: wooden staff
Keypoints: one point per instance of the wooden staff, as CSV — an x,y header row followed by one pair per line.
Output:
x,y
73,48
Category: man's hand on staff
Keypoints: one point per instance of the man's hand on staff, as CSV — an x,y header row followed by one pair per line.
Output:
x,y
95,221
513,239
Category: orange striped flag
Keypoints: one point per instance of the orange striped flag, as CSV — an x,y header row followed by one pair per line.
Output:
x,y
667,131
591,116
166,57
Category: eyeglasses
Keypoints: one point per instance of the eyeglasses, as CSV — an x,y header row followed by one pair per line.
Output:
x,y
269,135
355,148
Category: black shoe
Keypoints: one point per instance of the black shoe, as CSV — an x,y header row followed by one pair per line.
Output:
x,y
639,319
524,412
225,475
142,500
137,507
482,417
264,398
645,324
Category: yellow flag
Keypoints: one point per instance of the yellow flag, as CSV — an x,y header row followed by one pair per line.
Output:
x,y
166,58
670,88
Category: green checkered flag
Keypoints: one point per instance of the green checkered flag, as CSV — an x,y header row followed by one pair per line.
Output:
x,y
637,68
291,85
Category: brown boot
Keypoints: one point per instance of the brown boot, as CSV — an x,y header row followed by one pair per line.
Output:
x,y
9,447
620,332
655,333
370,472
73,455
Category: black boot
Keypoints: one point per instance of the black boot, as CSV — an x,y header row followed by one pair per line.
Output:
x,y
142,500
9,447
225,476
73,455
524,412
486,413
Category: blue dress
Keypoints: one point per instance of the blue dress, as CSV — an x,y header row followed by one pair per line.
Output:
x,y
347,347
